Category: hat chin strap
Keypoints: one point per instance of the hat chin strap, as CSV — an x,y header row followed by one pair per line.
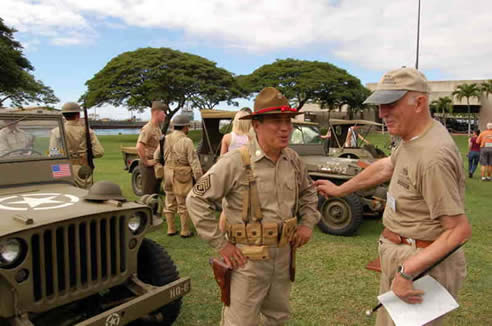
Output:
x,y
281,108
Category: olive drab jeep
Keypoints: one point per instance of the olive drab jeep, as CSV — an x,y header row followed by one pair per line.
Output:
x,y
67,260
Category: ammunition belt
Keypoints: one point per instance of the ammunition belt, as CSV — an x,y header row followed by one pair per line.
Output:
x,y
262,234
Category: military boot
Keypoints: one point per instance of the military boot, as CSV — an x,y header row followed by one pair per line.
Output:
x,y
171,227
185,225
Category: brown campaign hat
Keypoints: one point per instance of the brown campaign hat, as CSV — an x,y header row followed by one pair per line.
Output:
x,y
158,105
271,101
396,83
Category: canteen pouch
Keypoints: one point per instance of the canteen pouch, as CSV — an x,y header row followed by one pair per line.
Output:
x,y
238,233
288,229
253,232
270,234
159,171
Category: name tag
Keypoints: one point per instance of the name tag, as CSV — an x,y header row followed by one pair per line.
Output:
x,y
391,201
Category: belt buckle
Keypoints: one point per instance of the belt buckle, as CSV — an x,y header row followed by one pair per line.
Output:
x,y
411,241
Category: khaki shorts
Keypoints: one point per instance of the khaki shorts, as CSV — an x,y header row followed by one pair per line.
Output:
x,y
486,156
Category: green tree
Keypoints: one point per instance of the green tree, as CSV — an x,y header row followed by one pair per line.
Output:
x,y
467,91
135,79
304,81
442,105
17,84
486,88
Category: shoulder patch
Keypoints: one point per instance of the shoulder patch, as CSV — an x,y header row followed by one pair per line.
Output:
x,y
202,185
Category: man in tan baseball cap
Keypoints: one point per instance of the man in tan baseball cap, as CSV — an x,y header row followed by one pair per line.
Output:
x,y
396,83
424,218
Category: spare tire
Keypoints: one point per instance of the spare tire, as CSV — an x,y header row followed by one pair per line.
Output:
x,y
137,181
340,215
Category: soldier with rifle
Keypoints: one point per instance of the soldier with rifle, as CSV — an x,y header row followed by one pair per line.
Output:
x,y
82,144
425,216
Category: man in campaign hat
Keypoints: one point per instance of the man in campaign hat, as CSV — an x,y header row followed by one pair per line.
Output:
x,y
265,186
424,217
147,143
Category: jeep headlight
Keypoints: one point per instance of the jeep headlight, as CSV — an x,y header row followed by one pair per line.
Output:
x,y
10,252
136,223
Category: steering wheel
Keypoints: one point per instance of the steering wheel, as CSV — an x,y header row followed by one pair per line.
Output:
x,y
21,150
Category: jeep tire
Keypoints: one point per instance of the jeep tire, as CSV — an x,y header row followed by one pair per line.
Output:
x,y
340,215
137,181
155,267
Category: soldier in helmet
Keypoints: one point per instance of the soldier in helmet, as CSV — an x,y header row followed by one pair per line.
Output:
x,y
270,204
181,166
147,142
75,132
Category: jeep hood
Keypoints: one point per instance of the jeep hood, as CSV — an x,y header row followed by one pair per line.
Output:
x,y
331,165
28,207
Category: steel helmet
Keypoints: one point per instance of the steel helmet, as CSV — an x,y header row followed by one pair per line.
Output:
x,y
71,107
105,190
181,120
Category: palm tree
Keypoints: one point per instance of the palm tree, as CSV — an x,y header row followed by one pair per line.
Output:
x,y
486,88
467,91
443,105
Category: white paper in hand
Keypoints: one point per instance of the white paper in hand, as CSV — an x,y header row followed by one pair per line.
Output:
x,y
436,302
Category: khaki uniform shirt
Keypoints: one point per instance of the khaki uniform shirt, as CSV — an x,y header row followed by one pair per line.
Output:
x,y
12,139
179,151
76,140
428,182
279,192
149,136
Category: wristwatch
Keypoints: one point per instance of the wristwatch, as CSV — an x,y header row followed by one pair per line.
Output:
x,y
402,273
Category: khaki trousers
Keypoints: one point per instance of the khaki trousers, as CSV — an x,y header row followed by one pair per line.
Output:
x,y
177,204
260,292
150,185
450,273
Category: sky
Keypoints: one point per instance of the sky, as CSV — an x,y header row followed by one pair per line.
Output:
x,y
68,41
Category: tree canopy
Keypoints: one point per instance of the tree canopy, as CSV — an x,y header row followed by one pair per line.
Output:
x,y
304,81
442,105
17,84
467,91
135,79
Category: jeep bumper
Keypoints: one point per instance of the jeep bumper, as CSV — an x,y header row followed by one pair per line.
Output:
x,y
152,298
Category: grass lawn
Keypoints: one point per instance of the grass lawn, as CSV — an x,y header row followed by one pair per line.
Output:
x,y
332,287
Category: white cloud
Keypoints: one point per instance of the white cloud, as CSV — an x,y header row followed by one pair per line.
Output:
x,y
376,35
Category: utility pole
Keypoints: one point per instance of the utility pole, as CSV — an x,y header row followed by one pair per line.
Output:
x,y
418,39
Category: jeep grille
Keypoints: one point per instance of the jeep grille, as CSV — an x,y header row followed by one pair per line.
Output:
x,y
73,256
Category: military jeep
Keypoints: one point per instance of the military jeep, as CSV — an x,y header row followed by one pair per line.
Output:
x,y
65,260
340,216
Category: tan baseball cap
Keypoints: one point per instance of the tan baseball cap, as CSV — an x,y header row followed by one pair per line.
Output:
x,y
271,101
396,83
158,105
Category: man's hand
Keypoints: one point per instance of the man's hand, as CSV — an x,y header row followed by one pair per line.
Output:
x,y
327,188
233,257
404,290
150,163
302,236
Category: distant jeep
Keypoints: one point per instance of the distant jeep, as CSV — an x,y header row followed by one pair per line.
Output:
x,y
340,216
337,146
65,260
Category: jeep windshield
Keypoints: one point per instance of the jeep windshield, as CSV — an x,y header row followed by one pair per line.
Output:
x,y
305,134
25,138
